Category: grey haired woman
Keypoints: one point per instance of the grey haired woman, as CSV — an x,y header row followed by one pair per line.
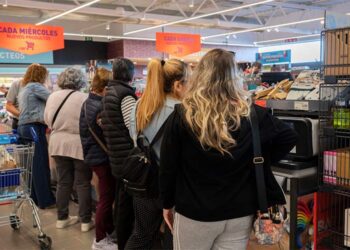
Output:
x,y
62,117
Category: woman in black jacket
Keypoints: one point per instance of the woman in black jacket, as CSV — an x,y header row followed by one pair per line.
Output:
x,y
206,170
95,156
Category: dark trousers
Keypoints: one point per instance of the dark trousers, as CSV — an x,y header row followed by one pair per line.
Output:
x,y
41,189
69,172
104,211
124,215
148,217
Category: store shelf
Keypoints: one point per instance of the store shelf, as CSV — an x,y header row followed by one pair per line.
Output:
x,y
295,105
330,131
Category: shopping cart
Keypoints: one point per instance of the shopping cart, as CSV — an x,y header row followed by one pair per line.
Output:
x,y
16,162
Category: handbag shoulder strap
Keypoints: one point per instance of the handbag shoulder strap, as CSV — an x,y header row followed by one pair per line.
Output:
x,y
258,161
160,132
60,107
97,139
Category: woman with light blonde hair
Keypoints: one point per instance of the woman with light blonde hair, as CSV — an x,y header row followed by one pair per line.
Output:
x,y
206,168
166,85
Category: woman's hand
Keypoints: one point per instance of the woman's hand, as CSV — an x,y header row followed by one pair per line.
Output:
x,y
168,215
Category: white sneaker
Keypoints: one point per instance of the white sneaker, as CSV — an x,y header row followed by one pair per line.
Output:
x,y
86,227
104,244
60,224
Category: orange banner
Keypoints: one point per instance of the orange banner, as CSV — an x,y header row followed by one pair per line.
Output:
x,y
178,44
30,39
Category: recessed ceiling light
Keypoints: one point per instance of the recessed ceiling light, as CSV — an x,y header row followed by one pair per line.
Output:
x,y
234,36
322,21
277,30
268,30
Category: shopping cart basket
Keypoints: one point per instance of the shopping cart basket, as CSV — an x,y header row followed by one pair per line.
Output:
x,y
16,162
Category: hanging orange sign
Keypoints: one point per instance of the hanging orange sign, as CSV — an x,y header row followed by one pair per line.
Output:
x,y
178,45
30,39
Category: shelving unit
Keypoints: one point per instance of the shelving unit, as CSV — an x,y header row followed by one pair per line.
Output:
x,y
332,215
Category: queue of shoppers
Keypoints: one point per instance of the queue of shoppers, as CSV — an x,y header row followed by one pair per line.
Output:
x,y
199,148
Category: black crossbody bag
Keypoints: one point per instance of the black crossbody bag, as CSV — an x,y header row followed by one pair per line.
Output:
x,y
60,107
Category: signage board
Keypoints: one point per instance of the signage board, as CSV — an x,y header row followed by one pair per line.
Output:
x,y
30,39
336,20
9,56
177,44
275,57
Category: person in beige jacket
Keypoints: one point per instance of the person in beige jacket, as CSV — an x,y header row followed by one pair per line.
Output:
x,y
62,117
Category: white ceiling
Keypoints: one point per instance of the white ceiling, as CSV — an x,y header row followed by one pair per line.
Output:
x,y
128,15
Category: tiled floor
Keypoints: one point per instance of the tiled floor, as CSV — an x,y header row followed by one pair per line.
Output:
x,y
65,239
26,237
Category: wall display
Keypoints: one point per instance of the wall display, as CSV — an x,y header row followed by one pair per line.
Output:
x,y
9,56
177,44
282,56
30,39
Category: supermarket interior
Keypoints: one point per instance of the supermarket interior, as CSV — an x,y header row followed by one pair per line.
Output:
x,y
291,57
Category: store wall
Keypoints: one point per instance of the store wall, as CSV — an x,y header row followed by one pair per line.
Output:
x,y
79,52
115,49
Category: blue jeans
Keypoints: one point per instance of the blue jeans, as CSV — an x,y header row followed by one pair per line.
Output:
x,y
41,188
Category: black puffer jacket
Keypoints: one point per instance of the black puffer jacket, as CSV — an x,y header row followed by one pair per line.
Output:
x,y
94,155
115,131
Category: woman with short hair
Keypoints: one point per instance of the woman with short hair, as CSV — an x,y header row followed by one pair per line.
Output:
x,y
32,100
62,116
206,169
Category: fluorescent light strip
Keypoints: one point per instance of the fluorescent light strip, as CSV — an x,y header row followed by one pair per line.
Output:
x,y
68,12
198,17
150,39
286,38
110,37
265,27
230,44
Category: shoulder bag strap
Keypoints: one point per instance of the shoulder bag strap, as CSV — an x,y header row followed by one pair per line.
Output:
x,y
60,107
160,132
97,139
258,161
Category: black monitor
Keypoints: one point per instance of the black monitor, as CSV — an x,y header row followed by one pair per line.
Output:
x,y
275,77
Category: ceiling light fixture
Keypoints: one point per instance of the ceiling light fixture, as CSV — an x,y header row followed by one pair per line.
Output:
x,y
265,27
234,36
268,30
68,12
5,4
108,26
198,17
191,5
286,38
277,30
149,39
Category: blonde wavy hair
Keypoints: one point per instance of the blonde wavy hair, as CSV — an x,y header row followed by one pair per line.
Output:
x,y
216,102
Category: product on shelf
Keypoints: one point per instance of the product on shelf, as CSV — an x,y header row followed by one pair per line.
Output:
x,y
6,159
279,91
336,169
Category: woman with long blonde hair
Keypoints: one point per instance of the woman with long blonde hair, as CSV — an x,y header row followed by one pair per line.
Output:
x,y
206,168
165,87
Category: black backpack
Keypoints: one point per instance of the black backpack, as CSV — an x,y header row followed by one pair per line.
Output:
x,y
140,168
